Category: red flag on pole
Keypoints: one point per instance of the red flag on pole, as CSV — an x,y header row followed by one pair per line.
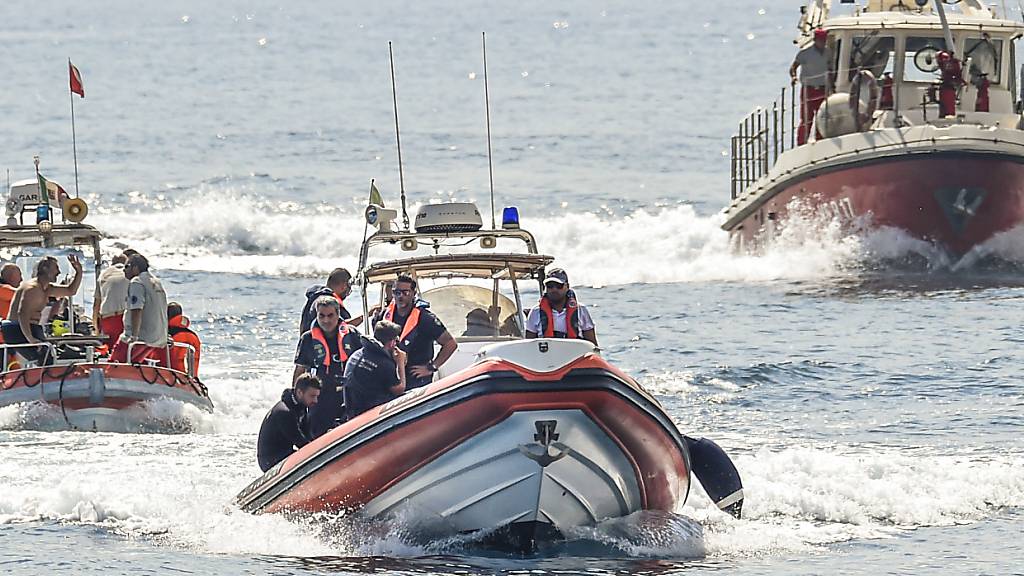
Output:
x,y
76,80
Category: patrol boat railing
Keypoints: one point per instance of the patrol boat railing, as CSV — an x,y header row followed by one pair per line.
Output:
x,y
762,137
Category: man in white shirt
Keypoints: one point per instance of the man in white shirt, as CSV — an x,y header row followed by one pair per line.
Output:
x,y
813,62
558,314
108,309
145,320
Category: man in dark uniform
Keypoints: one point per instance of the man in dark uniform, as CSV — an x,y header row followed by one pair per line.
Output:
x,y
285,428
375,373
420,329
339,286
323,350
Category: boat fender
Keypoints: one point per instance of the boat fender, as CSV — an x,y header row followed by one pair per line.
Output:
x,y
864,94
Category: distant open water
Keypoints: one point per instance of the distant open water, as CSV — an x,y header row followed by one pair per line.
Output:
x,y
869,395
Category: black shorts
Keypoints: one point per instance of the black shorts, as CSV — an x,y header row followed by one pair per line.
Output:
x,y
13,335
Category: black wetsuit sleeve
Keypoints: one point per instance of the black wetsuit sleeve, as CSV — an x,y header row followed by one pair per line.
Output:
x,y
293,431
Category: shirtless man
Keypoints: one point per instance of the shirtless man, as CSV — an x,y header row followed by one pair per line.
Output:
x,y
30,299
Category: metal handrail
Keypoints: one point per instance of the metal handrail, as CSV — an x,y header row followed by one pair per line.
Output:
x,y
761,139
190,354
50,353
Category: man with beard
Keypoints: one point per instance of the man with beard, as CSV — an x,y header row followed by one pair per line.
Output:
x,y
558,315
29,301
420,328
286,428
323,350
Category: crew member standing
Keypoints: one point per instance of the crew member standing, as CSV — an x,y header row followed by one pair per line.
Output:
x,y
420,329
145,320
814,76
339,286
558,314
323,350
108,309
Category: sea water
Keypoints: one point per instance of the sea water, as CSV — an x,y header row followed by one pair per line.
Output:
x,y
867,388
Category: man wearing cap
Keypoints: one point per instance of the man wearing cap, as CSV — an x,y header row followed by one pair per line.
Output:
x,y
813,62
558,314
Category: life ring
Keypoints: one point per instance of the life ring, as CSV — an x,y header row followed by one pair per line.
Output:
x,y
864,80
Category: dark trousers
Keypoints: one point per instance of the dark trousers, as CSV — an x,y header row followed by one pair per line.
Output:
x,y
13,335
328,411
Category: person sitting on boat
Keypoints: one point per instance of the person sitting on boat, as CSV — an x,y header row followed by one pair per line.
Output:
x,y
813,62
285,428
29,301
108,309
558,314
145,320
10,279
376,373
339,286
480,323
323,350
180,330
420,329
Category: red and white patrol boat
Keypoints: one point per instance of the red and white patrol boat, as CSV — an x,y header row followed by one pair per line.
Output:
x,y
83,390
518,441
922,131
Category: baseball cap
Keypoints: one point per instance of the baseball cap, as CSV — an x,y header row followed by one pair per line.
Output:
x,y
557,275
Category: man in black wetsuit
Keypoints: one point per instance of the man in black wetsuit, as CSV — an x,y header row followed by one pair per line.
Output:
x,y
375,373
420,329
323,350
285,427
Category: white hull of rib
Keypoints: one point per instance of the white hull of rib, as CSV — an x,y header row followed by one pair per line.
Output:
x,y
504,475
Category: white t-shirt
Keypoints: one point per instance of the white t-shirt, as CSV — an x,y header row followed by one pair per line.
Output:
x,y
533,321
113,290
147,294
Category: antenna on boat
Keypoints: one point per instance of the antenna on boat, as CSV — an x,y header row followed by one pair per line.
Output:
x,y
398,138
487,107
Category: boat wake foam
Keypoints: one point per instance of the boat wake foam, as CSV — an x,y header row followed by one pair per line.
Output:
x,y
658,245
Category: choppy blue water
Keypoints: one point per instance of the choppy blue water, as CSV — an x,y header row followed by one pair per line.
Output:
x,y
869,395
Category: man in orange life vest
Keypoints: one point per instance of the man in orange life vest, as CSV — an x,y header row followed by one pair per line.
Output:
x,y
10,279
178,327
420,329
323,351
339,286
558,315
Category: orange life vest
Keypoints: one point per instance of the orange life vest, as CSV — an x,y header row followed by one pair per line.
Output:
x,y
179,329
410,323
318,335
6,297
572,318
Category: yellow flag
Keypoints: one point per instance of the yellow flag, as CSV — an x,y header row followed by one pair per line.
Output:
x,y
375,197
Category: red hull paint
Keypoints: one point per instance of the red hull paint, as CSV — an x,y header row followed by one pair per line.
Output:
x,y
159,378
361,474
918,194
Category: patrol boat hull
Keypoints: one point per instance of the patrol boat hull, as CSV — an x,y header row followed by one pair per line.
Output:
x,y
105,397
521,454
956,201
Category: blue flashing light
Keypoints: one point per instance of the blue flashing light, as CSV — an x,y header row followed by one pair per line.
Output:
x,y
42,213
510,217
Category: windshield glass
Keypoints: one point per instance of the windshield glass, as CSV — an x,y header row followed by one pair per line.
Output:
x,y
873,53
920,63
27,260
984,56
468,311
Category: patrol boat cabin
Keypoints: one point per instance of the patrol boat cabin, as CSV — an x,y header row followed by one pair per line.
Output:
x,y
471,277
